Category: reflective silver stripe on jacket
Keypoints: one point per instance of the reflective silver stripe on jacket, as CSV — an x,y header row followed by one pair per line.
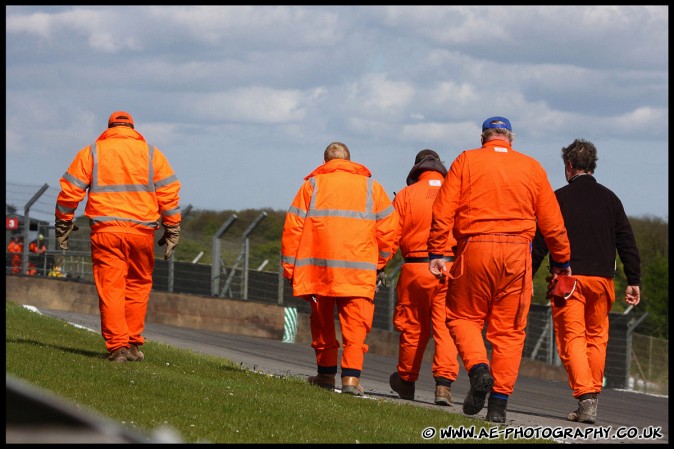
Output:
x,y
368,214
331,263
96,188
149,187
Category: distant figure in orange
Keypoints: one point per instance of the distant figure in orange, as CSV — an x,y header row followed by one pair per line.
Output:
x,y
15,249
39,248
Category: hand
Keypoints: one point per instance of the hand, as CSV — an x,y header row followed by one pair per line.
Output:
x,y
170,238
437,268
62,230
632,295
381,279
560,271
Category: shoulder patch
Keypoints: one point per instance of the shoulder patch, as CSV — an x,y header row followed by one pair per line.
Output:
x,y
434,182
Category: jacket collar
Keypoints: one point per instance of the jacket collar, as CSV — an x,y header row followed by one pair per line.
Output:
x,y
340,165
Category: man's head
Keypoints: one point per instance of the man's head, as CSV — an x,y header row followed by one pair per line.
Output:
x,y
120,118
426,160
497,128
425,153
580,155
336,150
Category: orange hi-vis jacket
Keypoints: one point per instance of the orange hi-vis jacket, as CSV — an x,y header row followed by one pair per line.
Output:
x,y
131,185
411,203
510,192
40,248
338,231
14,247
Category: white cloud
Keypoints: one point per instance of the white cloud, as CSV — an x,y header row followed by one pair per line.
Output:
x,y
232,87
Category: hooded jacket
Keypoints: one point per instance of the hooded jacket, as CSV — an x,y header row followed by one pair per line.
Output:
x,y
413,204
338,232
131,185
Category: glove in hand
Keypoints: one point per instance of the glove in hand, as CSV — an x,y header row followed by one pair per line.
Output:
x,y
63,229
381,279
560,287
170,238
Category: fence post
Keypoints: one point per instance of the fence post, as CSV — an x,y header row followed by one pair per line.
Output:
x,y
171,259
246,252
215,263
392,296
26,227
280,289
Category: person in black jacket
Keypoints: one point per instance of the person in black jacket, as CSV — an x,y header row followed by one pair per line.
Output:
x,y
597,226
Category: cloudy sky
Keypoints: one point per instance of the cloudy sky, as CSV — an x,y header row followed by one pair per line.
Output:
x,y
244,99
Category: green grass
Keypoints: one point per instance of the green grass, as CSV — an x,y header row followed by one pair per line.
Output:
x,y
207,399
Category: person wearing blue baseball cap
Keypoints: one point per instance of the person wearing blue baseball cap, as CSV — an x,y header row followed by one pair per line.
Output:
x,y
491,201
497,123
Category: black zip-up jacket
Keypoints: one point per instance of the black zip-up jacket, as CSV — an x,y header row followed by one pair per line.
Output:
x,y
597,226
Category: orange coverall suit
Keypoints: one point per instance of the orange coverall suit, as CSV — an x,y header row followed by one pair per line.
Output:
x,y
15,248
492,199
421,308
36,247
338,232
131,186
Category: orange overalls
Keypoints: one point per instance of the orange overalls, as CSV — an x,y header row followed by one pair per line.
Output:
x,y
15,248
338,232
492,199
421,306
581,332
38,249
131,186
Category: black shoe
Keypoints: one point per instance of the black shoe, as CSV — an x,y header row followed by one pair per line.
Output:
x,y
496,409
404,389
481,383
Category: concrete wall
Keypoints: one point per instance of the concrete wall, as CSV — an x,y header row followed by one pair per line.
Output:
x,y
225,315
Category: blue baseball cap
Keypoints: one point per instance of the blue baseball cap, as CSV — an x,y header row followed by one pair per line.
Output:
x,y
488,124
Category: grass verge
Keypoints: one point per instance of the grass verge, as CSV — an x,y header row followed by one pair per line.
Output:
x,y
208,399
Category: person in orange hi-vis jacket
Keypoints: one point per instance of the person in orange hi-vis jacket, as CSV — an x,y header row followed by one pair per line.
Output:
x,y
420,309
598,227
15,249
131,186
337,238
492,200
37,262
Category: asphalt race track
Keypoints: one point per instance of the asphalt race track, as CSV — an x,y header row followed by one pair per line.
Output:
x,y
535,406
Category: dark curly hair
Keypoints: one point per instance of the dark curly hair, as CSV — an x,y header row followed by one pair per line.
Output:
x,y
582,154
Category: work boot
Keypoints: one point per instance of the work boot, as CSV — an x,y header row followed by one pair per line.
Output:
x,y
443,395
119,355
323,380
135,354
351,385
587,411
480,384
496,409
404,388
